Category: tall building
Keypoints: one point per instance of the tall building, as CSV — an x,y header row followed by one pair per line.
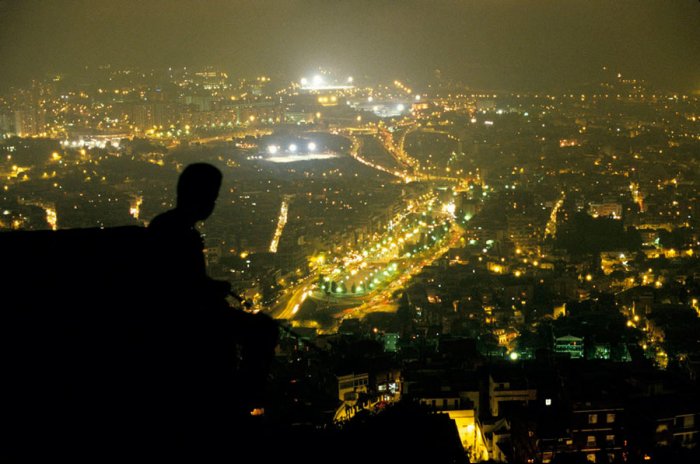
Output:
x,y
29,122
7,123
142,115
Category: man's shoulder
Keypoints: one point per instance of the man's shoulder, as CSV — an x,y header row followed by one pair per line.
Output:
x,y
167,221
169,226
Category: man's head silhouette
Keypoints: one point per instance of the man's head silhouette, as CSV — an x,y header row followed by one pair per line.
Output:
x,y
197,190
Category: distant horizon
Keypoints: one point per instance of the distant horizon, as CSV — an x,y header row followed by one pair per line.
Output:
x,y
283,78
509,44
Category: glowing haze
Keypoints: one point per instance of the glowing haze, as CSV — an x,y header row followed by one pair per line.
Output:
x,y
512,43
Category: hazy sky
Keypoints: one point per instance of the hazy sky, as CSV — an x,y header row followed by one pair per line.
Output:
x,y
492,43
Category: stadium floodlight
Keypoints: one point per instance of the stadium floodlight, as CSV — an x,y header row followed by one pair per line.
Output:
x,y
400,107
304,81
292,148
318,80
272,149
311,146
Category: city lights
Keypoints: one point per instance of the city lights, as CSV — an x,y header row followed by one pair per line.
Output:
x,y
409,215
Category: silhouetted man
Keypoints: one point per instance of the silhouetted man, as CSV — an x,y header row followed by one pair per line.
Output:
x,y
219,356
179,242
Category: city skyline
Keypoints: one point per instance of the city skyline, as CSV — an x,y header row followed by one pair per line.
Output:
x,y
510,44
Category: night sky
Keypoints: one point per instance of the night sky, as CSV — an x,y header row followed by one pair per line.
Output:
x,y
516,44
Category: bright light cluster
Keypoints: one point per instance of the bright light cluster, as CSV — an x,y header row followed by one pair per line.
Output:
x,y
291,148
318,82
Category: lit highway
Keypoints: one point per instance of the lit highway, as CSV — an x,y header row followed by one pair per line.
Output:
x,y
399,153
355,153
364,280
